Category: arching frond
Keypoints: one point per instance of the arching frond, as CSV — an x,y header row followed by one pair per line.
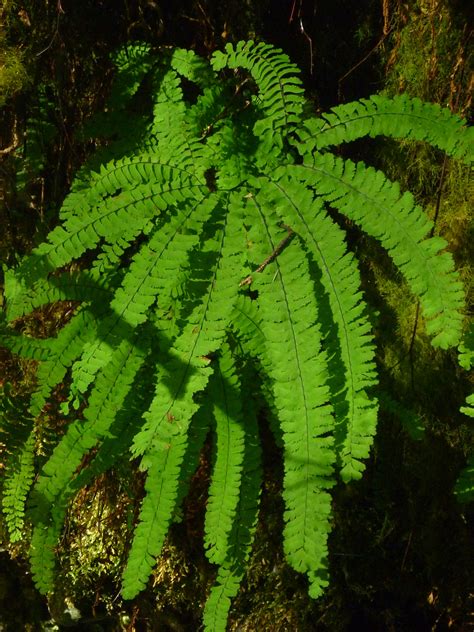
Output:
x,y
162,441
341,314
397,117
280,90
106,399
368,198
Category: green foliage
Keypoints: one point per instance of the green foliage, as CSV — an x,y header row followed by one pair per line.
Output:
x,y
18,441
409,420
464,488
209,251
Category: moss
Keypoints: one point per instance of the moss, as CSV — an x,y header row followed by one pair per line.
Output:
x,y
429,55
13,74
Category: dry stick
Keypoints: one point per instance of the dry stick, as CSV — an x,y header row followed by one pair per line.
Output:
x,y
272,257
402,567
302,30
386,31
60,11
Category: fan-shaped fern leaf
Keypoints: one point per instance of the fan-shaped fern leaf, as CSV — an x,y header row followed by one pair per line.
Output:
x,y
213,255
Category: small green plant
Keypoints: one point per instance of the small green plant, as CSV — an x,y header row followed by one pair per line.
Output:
x,y
214,275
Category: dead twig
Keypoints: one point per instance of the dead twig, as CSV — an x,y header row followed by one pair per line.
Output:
x,y
286,240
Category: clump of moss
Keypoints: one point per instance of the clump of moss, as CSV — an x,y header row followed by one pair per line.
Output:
x,y
14,76
429,55
13,73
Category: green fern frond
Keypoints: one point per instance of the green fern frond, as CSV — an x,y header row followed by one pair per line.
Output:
x,y
172,125
56,355
17,444
25,346
105,401
368,198
188,64
163,461
169,106
132,62
153,268
232,569
280,89
207,112
16,487
346,326
41,130
126,174
198,431
246,323
206,323
120,435
122,217
66,348
162,440
42,559
49,524
82,435
229,460
92,286
397,117
298,370
247,329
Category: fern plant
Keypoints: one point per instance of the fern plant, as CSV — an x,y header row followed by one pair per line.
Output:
x,y
213,270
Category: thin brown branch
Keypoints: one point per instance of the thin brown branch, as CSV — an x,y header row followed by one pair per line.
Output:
x,y
286,240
